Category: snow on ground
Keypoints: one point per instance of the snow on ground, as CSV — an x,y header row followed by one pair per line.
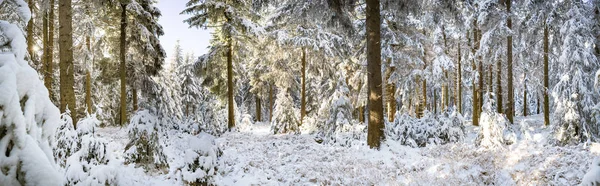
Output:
x,y
257,157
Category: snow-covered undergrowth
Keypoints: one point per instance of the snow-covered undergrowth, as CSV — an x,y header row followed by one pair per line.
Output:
x,y
430,129
144,147
260,158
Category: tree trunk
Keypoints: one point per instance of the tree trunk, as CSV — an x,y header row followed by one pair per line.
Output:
x,y
134,98
490,79
258,108
47,82
546,87
88,81
375,128
361,114
67,77
475,100
49,51
525,98
499,95
123,70
481,74
459,81
445,100
231,118
511,99
30,34
271,103
390,91
303,91
435,101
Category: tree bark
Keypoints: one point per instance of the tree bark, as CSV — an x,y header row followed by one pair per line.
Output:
x,y
30,34
475,100
231,118
123,70
481,74
271,103
375,127
135,98
525,98
49,51
67,77
546,87
47,82
390,91
88,80
499,95
490,79
445,100
459,81
258,108
303,91
511,99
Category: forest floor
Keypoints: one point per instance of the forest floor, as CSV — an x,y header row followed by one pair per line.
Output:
x,y
255,156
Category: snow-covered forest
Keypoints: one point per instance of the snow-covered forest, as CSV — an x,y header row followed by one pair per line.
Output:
x,y
301,92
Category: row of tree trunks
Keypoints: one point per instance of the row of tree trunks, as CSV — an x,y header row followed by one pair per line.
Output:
x,y
67,76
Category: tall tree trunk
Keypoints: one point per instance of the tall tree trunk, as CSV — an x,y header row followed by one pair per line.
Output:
x,y
546,87
30,34
49,51
231,118
525,98
88,80
475,99
47,81
67,76
258,108
459,81
490,79
511,98
390,91
481,74
271,103
303,91
361,114
375,128
445,100
435,101
135,98
499,94
123,70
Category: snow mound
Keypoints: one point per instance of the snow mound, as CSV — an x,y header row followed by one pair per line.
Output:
x,y
592,177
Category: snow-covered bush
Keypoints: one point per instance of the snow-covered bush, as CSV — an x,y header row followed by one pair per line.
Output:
x,y
67,140
144,147
88,165
28,119
201,160
494,129
445,128
285,115
340,128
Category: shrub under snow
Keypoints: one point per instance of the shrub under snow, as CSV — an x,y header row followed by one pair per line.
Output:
x,y
201,160
494,128
285,118
144,148
28,119
431,129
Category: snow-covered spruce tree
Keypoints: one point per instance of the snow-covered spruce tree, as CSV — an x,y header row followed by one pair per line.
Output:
x,y
493,125
28,118
66,140
285,115
340,128
233,20
144,148
574,118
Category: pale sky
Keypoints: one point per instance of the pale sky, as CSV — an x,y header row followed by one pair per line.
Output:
x,y
191,39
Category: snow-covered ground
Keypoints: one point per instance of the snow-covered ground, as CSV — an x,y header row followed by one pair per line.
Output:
x,y
255,156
